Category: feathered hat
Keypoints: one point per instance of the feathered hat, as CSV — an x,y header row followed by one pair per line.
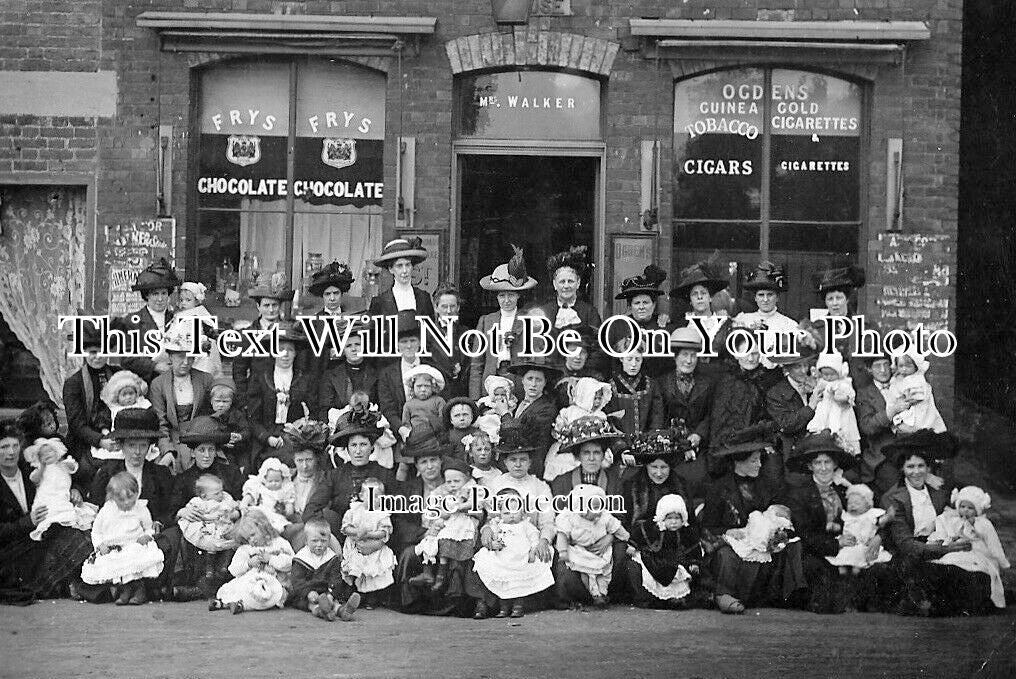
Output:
x,y
705,273
576,257
158,275
359,420
336,274
306,434
766,276
647,283
842,275
510,277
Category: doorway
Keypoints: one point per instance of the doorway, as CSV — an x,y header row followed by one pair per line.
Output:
x,y
543,204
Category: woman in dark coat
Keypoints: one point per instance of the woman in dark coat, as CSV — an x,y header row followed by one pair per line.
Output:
x,y
642,293
695,289
636,393
730,500
662,562
85,410
399,256
655,474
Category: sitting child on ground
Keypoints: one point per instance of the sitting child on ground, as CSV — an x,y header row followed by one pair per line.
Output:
x,y
260,568
317,581
580,529
665,555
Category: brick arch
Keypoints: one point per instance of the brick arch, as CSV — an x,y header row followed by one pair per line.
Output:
x,y
550,49
197,59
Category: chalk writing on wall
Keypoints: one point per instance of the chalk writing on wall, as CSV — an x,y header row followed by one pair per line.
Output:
x,y
914,274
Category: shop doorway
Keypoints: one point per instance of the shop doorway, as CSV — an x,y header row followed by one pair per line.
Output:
x,y
541,203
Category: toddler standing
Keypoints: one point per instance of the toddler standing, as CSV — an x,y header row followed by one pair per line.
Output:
x,y
459,417
480,451
423,407
367,560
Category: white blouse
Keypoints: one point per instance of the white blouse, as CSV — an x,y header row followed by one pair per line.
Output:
x,y
405,298
924,511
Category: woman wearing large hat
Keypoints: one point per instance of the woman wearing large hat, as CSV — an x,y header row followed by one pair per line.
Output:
x,y
588,439
657,454
730,500
156,283
694,291
537,408
509,281
399,256
642,293
766,282
567,270
837,288
269,301
330,283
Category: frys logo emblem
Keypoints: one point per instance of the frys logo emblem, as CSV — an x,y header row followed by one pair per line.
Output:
x,y
243,150
338,153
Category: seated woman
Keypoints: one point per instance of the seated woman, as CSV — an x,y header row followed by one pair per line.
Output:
x,y
656,454
927,588
46,568
729,501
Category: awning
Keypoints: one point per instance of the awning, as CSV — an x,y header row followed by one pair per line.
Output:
x,y
734,40
285,33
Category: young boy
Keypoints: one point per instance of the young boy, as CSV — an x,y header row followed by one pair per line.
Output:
x,y
317,576
232,420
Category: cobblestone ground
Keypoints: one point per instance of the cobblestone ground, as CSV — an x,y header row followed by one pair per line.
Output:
x,y
69,639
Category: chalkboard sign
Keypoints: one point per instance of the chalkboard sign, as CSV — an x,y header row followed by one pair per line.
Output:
x,y
629,255
913,277
128,249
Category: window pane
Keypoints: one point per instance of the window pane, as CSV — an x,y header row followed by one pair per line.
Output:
x,y
718,145
529,105
832,238
816,128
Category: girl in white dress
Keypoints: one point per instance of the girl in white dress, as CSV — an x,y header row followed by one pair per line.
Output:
x,y
965,521
260,568
124,538
862,521
52,475
509,570
272,492
367,560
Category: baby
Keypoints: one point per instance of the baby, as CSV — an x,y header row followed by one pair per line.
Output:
x,y
479,448
317,576
910,402
498,390
272,492
588,397
424,406
192,304
580,530
367,560
123,390
766,533
214,532
52,474
835,410
666,552
861,521
965,522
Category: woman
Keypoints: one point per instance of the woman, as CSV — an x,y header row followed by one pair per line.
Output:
x,y
817,506
205,438
509,281
356,432
330,283
588,439
536,409
927,588
738,493
399,256
85,410
653,478
642,294
269,305
635,392
837,289
179,396
696,287
567,270
31,568
279,396
156,284
136,430
766,283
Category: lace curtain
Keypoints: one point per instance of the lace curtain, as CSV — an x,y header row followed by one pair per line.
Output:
x,y
42,272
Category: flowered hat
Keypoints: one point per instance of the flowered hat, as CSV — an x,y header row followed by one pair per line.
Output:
x,y
647,283
510,277
357,421
336,274
974,495
428,370
514,438
668,445
119,381
766,276
813,445
670,504
204,429
589,428
402,248
178,338
158,275
306,433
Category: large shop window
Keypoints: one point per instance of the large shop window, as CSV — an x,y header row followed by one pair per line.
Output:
x,y
767,161
244,179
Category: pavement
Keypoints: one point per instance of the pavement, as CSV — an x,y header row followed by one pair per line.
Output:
x,y
73,639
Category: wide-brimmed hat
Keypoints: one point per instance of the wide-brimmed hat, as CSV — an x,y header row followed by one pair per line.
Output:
x,y
158,275
589,428
428,370
576,257
336,273
279,293
510,277
686,337
292,332
813,445
178,339
646,283
549,368
407,325
204,429
668,445
358,421
702,274
402,248
926,443
514,438
746,440
843,278
804,353
136,423
766,276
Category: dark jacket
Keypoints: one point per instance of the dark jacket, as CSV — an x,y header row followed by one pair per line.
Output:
x,y
142,321
727,507
809,519
164,402
245,367
876,431
609,480
391,394
738,402
261,400
587,312
156,486
538,420
183,483
341,484
899,534
654,367
408,525
641,495
789,412
16,524
642,403
326,578
455,368
384,304
695,407
337,385
235,421
85,410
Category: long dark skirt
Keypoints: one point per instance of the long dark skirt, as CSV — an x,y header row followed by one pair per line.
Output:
x,y
949,590
45,568
831,592
779,582
205,570
453,600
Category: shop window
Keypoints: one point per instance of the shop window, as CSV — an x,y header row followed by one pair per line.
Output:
x,y
767,161
244,179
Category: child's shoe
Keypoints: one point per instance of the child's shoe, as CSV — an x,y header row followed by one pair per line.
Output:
x,y
216,605
425,578
347,609
504,612
441,579
480,612
517,611
235,607
187,593
328,606
123,595
140,596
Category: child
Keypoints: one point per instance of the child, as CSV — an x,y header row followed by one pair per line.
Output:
x,y
52,474
509,570
123,390
124,538
498,389
455,537
232,420
272,492
367,560
579,529
479,448
214,532
360,409
459,416
766,533
192,298
637,396
260,568
908,383
862,521
424,406
965,521
317,576
40,421
588,397
835,410
665,554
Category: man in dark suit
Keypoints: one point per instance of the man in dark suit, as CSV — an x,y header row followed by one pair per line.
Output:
x,y
156,284
454,366
269,303
875,427
791,404
85,410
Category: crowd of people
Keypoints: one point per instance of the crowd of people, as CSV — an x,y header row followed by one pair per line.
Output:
x,y
336,482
